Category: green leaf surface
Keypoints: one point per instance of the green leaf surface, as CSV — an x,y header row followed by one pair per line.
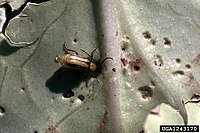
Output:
x,y
166,115
155,49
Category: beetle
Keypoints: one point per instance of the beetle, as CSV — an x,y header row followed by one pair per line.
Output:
x,y
73,62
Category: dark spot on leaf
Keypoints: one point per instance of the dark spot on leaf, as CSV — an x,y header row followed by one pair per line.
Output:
x,y
124,61
141,130
123,48
135,64
188,66
145,91
127,37
158,62
114,69
178,72
136,68
75,40
153,41
178,60
35,131
22,88
146,35
72,100
81,97
167,41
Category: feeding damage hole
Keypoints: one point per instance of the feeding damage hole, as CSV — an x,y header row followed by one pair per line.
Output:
x,y
141,130
153,41
75,40
81,97
167,42
158,62
178,60
145,91
188,66
2,110
178,73
135,64
22,89
114,69
146,35
124,61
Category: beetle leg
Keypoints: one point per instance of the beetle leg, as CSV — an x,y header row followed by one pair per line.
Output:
x,y
66,49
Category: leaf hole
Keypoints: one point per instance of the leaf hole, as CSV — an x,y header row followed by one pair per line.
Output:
x,y
153,41
178,73
167,41
178,60
114,69
81,97
158,62
146,35
75,40
188,66
22,89
146,91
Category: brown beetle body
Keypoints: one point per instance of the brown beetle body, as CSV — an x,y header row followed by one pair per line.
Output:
x,y
73,62
69,61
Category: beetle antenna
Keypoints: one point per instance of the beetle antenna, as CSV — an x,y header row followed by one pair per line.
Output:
x,y
93,52
104,61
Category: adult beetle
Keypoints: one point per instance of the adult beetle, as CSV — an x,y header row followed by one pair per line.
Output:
x,y
72,62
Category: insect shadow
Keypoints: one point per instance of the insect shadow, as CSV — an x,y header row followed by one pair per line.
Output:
x,y
74,70
65,81
6,49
